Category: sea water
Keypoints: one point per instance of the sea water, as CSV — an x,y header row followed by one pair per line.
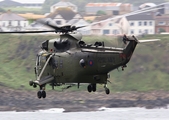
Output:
x,y
101,114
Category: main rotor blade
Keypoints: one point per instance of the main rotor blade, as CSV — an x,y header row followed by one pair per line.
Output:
x,y
48,23
44,31
63,28
80,27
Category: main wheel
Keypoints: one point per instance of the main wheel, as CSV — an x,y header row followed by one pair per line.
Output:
x,y
89,88
39,94
43,94
107,91
94,87
34,85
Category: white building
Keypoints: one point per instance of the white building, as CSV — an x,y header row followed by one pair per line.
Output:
x,y
141,24
63,15
63,4
110,27
12,21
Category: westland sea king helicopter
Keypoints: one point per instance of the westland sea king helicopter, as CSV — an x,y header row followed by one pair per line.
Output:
x,y
69,60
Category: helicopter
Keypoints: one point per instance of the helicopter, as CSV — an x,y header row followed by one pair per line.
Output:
x,y
69,60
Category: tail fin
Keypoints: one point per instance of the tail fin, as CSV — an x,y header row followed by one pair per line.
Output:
x,y
131,43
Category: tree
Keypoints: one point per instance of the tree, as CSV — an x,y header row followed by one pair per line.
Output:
x,y
2,10
47,4
161,30
100,13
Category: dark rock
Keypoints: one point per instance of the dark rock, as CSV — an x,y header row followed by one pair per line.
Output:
x,y
22,100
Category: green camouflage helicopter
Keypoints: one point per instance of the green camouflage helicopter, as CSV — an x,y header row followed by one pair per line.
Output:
x,y
69,60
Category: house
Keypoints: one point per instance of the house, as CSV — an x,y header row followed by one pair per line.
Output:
x,y
63,15
63,4
109,27
108,8
12,21
33,25
165,9
162,24
141,24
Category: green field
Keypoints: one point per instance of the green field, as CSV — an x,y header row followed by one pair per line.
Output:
x,y
23,10
147,70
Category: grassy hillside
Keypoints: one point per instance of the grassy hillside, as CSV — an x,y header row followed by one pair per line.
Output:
x,y
17,58
23,10
147,70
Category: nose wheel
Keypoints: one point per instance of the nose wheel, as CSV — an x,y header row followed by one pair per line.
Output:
x,y
31,83
41,93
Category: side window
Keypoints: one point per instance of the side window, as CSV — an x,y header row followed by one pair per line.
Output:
x,y
9,23
38,60
132,24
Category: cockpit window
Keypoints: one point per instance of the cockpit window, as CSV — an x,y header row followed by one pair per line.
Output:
x,y
65,42
38,60
43,58
62,45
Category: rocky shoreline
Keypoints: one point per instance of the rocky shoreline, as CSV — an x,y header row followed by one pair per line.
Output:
x,y
22,100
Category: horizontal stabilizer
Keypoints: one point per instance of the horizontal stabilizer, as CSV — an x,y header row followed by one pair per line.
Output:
x,y
150,40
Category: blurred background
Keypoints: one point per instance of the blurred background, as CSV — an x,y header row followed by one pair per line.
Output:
x,y
144,83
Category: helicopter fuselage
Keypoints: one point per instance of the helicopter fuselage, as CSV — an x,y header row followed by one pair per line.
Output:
x,y
81,65
67,68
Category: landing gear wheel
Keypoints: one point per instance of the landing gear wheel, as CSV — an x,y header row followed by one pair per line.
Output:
x,y
39,94
43,94
31,83
107,91
34,85
94,87
89,88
